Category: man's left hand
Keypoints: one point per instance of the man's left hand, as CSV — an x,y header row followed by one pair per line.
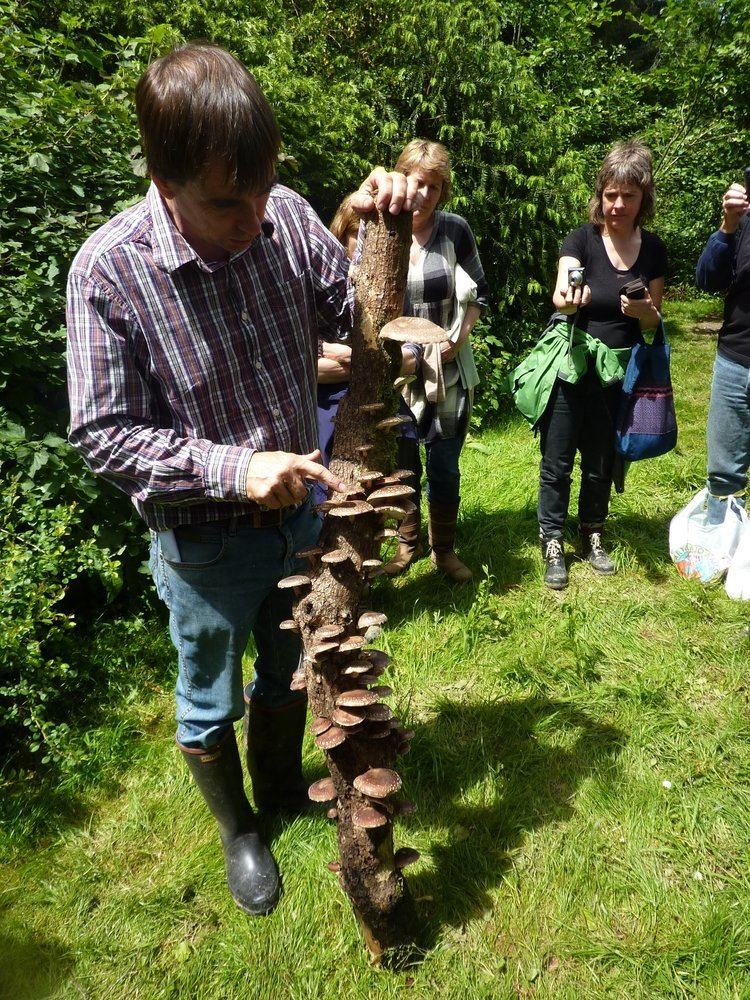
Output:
x,y
392,191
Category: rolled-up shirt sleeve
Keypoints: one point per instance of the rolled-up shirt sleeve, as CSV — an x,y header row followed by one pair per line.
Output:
x,y
111,420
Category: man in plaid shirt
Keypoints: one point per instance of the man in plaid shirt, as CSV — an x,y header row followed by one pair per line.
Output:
x,y
193,324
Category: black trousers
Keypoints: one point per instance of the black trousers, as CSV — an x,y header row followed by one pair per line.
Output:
x,y
578,417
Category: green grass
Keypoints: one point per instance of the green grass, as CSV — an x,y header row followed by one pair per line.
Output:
x,y
580,768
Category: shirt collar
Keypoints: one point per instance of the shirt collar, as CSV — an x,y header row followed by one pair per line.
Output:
x,y
171,249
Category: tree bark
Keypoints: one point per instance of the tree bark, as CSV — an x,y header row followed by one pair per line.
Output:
x,y
359,737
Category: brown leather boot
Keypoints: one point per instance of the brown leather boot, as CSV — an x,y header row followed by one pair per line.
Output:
x,y
408,542
443,518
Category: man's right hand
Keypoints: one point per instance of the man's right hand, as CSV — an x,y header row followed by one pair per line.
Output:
x,y
277,478
735,204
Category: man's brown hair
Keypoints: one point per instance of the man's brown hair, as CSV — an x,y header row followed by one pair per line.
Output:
x,y
198,106
625,163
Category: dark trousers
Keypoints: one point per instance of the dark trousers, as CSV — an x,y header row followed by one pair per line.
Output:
x,y
580,418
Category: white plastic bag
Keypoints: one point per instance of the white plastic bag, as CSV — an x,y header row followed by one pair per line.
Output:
x,y
738,575
702,547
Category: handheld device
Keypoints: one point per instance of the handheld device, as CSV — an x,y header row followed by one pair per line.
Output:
x,y
634,289
747,181
576,277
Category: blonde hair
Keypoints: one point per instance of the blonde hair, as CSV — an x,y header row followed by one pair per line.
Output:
x,y
345,222
625,163
430,156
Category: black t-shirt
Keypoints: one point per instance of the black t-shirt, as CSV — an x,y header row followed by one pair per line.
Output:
x,y
602,318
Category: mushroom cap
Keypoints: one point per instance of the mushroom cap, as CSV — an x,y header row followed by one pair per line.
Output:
x,y
379,713
298,681
294,581
358,667
404,380
321,648
399,476
319,725
388,424
334,866
378,782
371,564
376,656
346,717
328,632
351,643
370,477
375,731
357,698
403,748
368,618
405,856
384,533
372,407
334,557
314,550
382,690
413,330
364,448
289,625
351,508
396,491
333,813
322,791
331,738
390,510
368,817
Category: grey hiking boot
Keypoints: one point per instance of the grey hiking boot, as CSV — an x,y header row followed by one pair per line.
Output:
x,y
555,573
593,551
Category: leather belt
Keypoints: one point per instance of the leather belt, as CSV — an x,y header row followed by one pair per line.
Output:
x,y
262,518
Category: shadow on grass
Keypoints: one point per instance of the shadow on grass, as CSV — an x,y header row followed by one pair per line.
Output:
x,y
530,756
496,539
33,968
648,539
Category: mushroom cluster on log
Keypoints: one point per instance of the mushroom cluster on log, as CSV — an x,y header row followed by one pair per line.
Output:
x,y
351,723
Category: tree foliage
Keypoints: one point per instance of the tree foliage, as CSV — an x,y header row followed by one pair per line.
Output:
x,y
527,97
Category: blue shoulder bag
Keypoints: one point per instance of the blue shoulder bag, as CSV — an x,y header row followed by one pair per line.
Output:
x,y
646,422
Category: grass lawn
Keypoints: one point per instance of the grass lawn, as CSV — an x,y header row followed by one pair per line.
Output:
x,y
581,770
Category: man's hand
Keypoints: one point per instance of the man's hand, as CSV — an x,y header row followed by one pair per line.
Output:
x,y
383,190
277,478
734,204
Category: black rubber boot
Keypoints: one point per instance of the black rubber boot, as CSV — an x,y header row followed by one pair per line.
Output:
x,y
273,743
251,871
593,551
555,572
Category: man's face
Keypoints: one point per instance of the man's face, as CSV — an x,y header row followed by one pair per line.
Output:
x,y
215,218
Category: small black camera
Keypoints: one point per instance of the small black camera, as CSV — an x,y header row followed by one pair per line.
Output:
x,y
576,277
747,182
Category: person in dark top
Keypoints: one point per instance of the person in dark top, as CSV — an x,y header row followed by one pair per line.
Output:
x,y
724,266
614,249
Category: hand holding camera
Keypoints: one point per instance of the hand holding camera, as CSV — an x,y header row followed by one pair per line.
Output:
x,y
578,293
735,204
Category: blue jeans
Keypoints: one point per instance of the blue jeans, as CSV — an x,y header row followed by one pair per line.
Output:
x,y
728,430
219,584
443,474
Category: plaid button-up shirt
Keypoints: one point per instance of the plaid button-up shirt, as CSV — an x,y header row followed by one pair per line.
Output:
x,y
179,369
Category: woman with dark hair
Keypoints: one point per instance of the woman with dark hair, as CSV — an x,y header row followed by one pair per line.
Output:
x,y
446,284
614,250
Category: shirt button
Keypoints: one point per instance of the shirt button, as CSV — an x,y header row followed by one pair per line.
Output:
x,y
258,364
276,411
245,315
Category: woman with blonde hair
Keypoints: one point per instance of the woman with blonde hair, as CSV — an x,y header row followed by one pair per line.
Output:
x,y
446,284
620,297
